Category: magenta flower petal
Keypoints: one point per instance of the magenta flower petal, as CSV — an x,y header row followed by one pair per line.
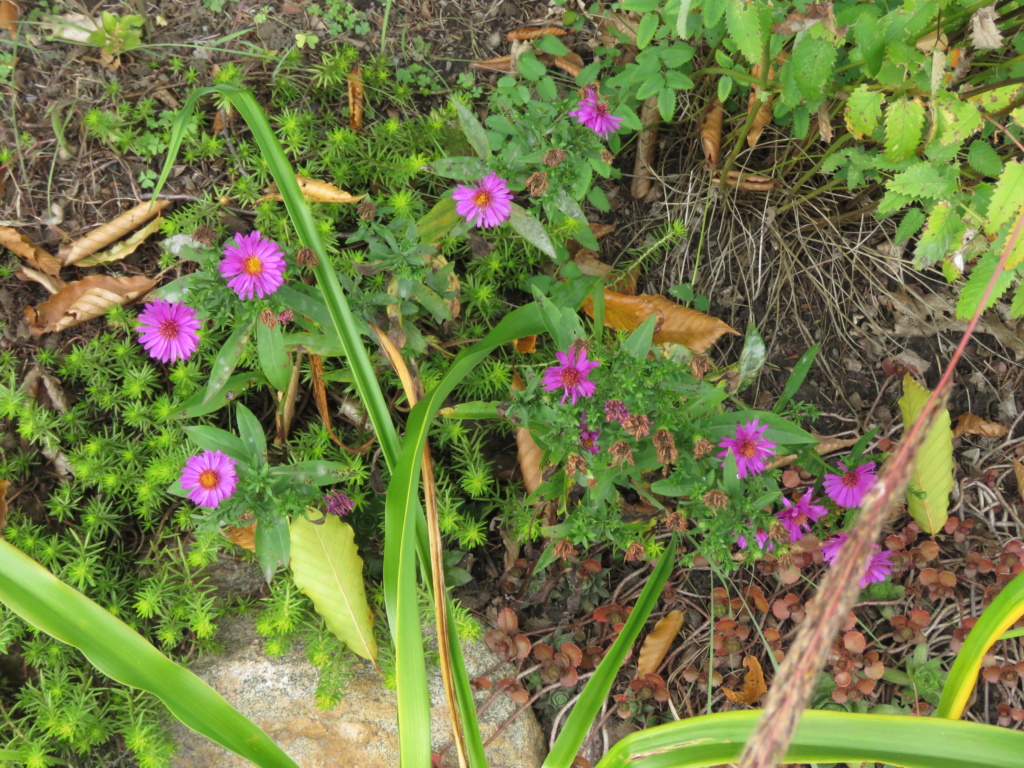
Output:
x,y
594,114
588,437
848,489
750,449
878,569
486,204
253,266
798,518
760,536
209,478
168,330
572,375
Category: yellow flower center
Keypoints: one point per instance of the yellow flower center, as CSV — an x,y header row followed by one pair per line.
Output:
x,y
482,198
209,479
252,266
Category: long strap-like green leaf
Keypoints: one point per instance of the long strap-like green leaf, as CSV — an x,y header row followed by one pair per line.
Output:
x,y
825,737
119,652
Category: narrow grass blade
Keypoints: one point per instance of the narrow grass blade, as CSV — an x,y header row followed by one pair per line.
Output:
x,y
119,652
931,479
594,695
824,737
1000,615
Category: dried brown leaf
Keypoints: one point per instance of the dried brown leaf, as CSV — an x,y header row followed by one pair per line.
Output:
x,y
1018,472
711,131
49,282
748,182
124,248
9,21
647,142
497,64
315,191
355,98
764,108
571,64
22,246
824,124
532,33
526,345
530,454
676,324
985,35
244,537
933,41
657,643
970,424
621,282
84,300
4,485
800,22
754,686
623,23
103,236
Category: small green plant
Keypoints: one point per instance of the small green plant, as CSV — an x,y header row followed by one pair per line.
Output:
x,y
117,34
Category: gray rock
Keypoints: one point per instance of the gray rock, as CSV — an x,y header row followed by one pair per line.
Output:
x,y
277,695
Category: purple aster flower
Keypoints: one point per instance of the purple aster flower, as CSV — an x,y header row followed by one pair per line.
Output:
x,y
338,503
486,204
168,330
878,569
615,410
797,518
209,478
572,375
848,489
595,115
760,536
588,437
749,447
254,264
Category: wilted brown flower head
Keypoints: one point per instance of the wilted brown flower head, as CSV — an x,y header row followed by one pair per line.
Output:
x,y
537,184
564,550
635,552
554,156
702,448
205,235
716,499
268,318
674,521
699,365
637,424
575,463
666,446
306,257
366,210
607,156
621,453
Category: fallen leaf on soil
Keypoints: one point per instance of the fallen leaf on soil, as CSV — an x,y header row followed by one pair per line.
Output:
x,y
970,424
711,132
657,643
49,282
532,33
123,249
676,324
1018,471
355,98
316,372
650,117
23,247
571,64
748,182
315,191
103,236
800,22
83,300
824,124
622,282
245,537
527,345
497,64
9,18
753,684
763,118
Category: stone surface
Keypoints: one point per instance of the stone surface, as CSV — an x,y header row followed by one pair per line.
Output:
x,y
277,695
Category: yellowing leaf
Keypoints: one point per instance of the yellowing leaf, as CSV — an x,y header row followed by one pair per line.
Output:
x,y
315,191
676,324
327,569
123,249
245,537
657,643
103,236
83,300
931,479
753,684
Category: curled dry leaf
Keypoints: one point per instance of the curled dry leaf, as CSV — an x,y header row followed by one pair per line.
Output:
x,y
530,454
572,64
123,249
245,537
84,300
650,117
711,132
526,345
355,98
622,282
676,324
49,282
497,64
23,247
764,108
532,33
9,18
753,684
970,424
1018,472
657,643
103,236
985,35
315,191
748,182
4,485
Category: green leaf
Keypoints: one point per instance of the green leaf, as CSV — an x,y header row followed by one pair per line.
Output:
x,y
713,11
974,288
752,357
233,387
780,430
796,377
312,472
461,168
273,359
645,30
639,342
941,235
725,84
224,364
121,654
955,120
984,159
328,569
909,225
272,545
814,57
251,433
748,22
551,44
926,181
599,200
666,106
439,221
650,86
473,129
871,41
531,67
681,19
904,124
216,439
863,111
531,230
1007,199
931,478
477,409
1017,305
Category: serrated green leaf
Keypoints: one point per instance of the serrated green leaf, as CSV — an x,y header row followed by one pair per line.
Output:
x,y
473,129
747,22
814,56
675,55
666,106
977,281
863,111
531,67
984,159
724,88
871,41
904,124
272,356
551,44
1017,305
650,86
531,230
327,569
645,30
926,181
909,225
955,119
801,122
998,99
1007,199
931,479
941,235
